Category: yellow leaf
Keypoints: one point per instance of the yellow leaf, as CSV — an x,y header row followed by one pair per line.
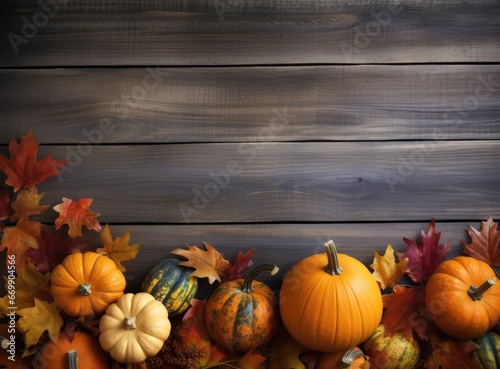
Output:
x,y
119,249
385,269
35,320
207,264
29,284
27,203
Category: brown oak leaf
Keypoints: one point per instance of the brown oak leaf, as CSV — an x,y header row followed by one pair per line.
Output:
x,y
76,215
385,269
23,169
118,249
485,244
207,264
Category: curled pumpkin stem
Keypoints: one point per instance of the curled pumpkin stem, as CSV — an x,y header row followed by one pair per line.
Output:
x,y
247,283
476,293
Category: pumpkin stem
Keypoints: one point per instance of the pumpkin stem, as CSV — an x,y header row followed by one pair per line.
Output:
x,y
247,283
84,289
348,359
130,322
4,342
333,266
73,359
476,293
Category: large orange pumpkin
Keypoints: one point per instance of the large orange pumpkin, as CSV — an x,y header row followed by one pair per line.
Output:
x,y
330,302
463,298
85,284
84,349
241,315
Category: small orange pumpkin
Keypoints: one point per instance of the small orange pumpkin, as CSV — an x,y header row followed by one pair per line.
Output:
x,y
330,302
350,359
84,349
463,298
241,315
85,284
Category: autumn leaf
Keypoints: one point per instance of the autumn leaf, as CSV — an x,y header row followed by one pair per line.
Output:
x,y
27,203
76,215
17,240
385,269
5,205
251,360
52,249
286,355
243,262
485,244
207,264
22,169
118,249
35,320
426,255
404,310
447,354
29,285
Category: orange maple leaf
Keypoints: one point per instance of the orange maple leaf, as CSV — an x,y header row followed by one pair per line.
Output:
x,y
23,169
27,203
207,264
251,360
385,269
17,240
485,244
119,249
76,215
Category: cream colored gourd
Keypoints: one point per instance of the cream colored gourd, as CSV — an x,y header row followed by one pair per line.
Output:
x,y
134,328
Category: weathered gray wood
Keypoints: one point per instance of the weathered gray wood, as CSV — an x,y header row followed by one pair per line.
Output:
x,y
251,104
225,32
282,244
267,182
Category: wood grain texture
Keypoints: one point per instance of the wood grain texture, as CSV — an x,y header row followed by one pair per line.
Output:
x,y
225,32
259,104
283,244
281,182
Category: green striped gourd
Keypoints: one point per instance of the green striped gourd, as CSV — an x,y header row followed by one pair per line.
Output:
x,y
172,284
489,353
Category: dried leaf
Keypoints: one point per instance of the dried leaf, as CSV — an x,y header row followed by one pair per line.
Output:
x,y
385,269
5,205
27,203
404,310
243,262
52,249
23,169
35,320
17,240
76,215
286,355
447,354
29,285
426,255
251,360
207,264
118,249
485,244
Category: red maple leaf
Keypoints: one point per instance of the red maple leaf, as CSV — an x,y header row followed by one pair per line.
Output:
x,y
485,244
243,262
426,255
76,215
23,169
404,310
52,249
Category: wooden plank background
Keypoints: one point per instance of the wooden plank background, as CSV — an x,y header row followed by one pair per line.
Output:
x,y
269,124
